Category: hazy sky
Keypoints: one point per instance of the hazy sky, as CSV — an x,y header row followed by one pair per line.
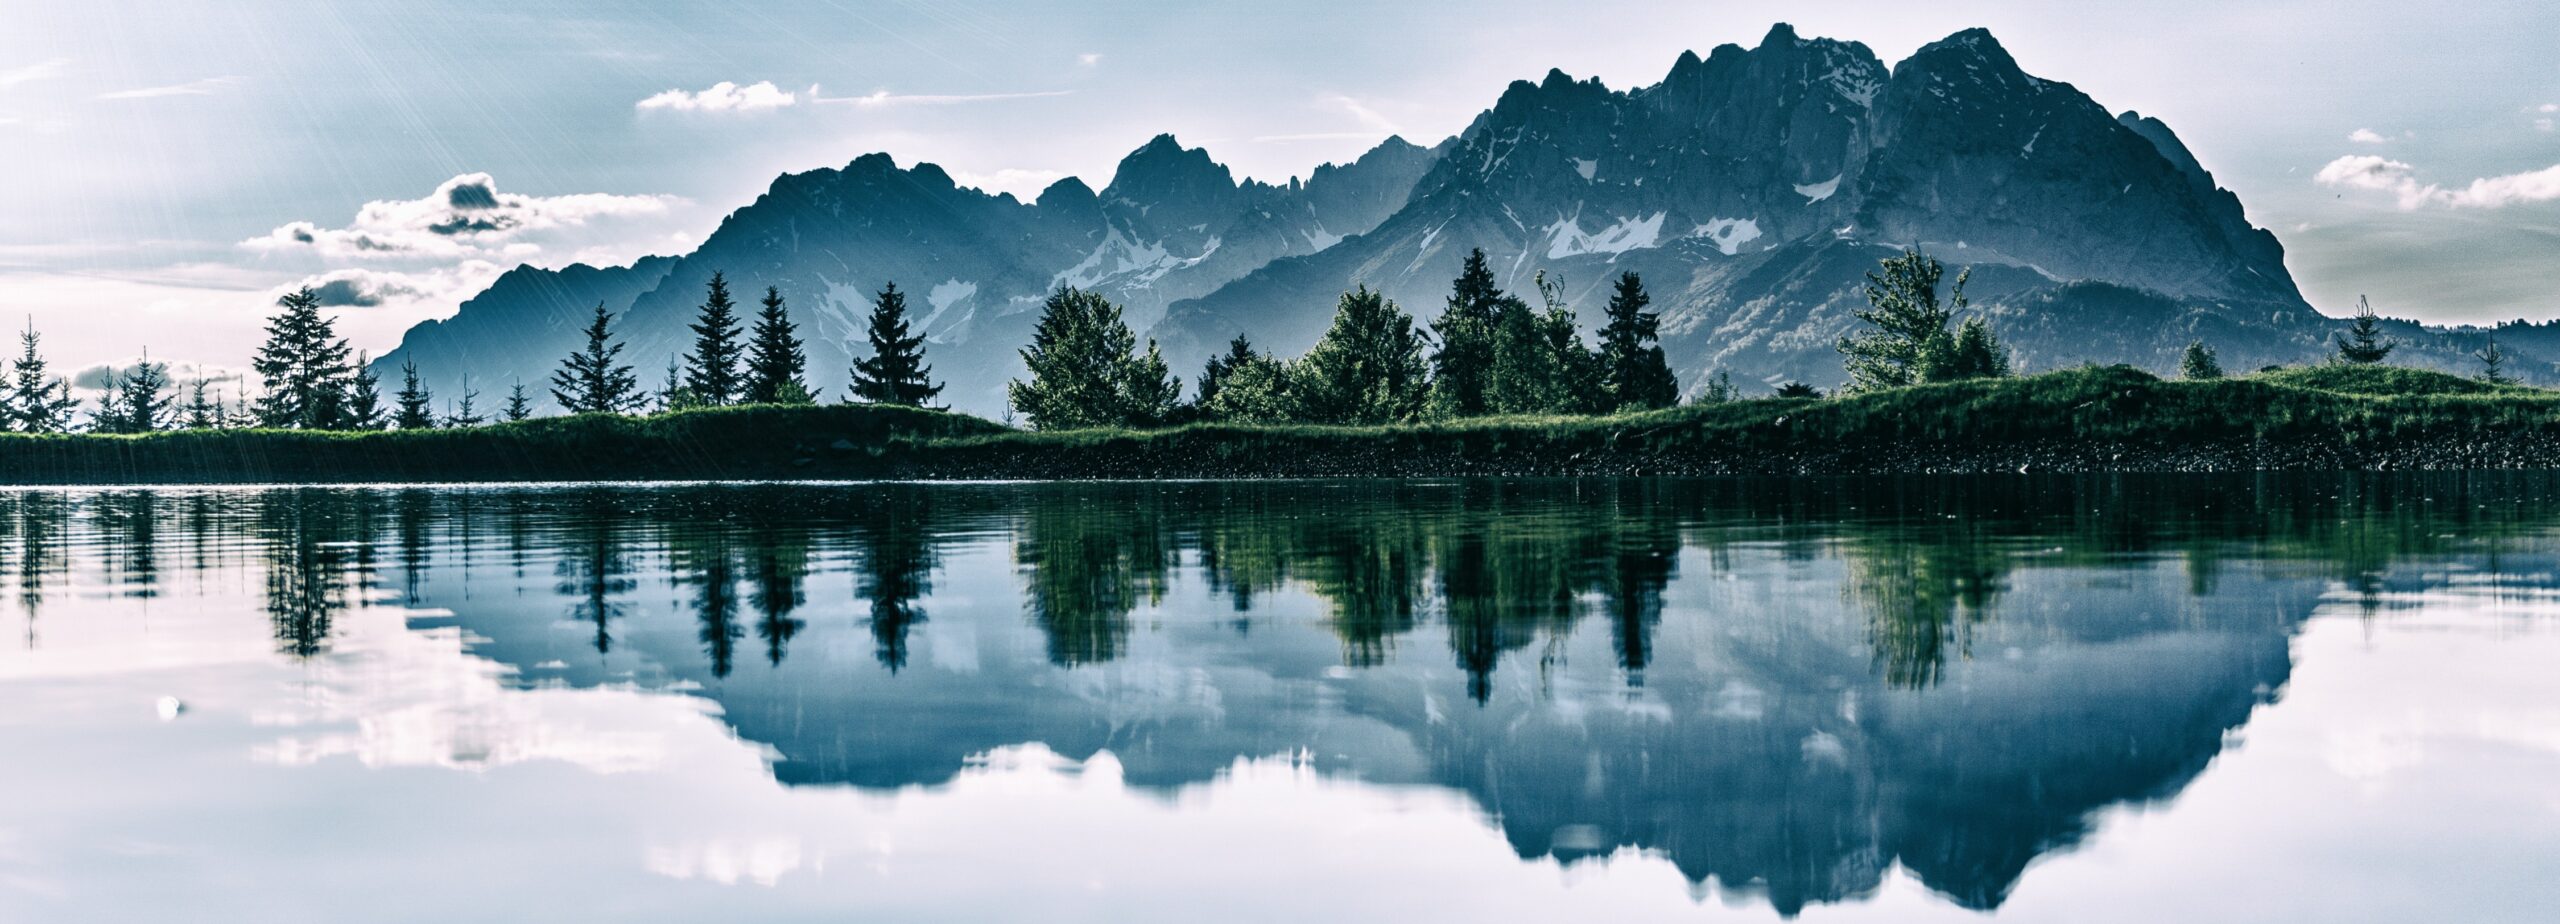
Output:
x,y
167,158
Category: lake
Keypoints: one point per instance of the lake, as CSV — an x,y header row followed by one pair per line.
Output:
x,y
2096,699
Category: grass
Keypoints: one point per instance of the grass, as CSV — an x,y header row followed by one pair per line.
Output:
x,y
2086,419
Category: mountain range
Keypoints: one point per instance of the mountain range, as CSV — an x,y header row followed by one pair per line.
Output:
x,y
1752,188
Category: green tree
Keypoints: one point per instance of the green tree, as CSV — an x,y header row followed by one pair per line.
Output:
x,y
38,402
711,370
1214,375
1255,389
1908,334
109,416
149,404
1085,371
416,404
2363,343
588,381
1638,377
304,365
1462,369
1976,354
364,397
776,357
2199,363
462,414
2493,364
1718,389
1367,368
895,372
1798,390
519,406
204,411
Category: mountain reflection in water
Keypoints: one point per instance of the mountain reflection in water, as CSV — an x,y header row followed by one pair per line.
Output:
x,y
1788,687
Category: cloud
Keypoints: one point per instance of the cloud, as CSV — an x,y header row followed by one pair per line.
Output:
x,y
886,98
205,87
1089,59
41,70
2366,136
2371,172
464,217
2547,107
725,96
363,288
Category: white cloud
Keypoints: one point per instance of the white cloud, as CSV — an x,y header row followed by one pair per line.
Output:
x,y
465,217
205,87
1361,112
886,98
725,96
1089,59
2547,107
2366,136
38,71
2370,172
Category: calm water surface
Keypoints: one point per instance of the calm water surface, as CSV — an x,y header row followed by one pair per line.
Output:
x,y
2191,699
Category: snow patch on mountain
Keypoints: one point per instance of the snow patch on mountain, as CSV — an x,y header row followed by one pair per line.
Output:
x,y
1729,234
1587,167
950,294
1816,192
1568,239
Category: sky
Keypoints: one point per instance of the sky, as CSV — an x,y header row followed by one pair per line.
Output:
x,y
174,165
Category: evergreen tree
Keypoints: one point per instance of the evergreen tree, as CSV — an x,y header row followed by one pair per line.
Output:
x,y
1462,369
1214,375
364,397
1718,389
1637,375
1085,371
305,366
711,370
588,382
2493,364
204,412
416,404
1798,390
1367,369
109,416
673,394
519,406
38,403
1976,354
2199,363
2363,344
775,357
462,414
148,404
1256,389
1909,338
895,373
1539,363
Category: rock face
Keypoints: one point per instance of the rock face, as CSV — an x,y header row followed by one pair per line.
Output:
x,y
1752,188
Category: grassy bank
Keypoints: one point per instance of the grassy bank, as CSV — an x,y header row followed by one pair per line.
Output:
x,y
2093,419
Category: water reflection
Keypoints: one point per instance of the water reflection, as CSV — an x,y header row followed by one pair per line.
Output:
x,y
1787,688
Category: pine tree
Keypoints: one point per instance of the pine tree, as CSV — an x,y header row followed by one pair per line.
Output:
x,y
1909,335
519,407
775,358
1255,389
895,373
2199,363
1798,390
1975,354
204,412
1085,371
416,405
588,382
39,403
147,405
109,415
1367,369
462,414
711,370
1214,375
305,366
1539,363
2363,344
1462,369
364,397
1638,377
2493,364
